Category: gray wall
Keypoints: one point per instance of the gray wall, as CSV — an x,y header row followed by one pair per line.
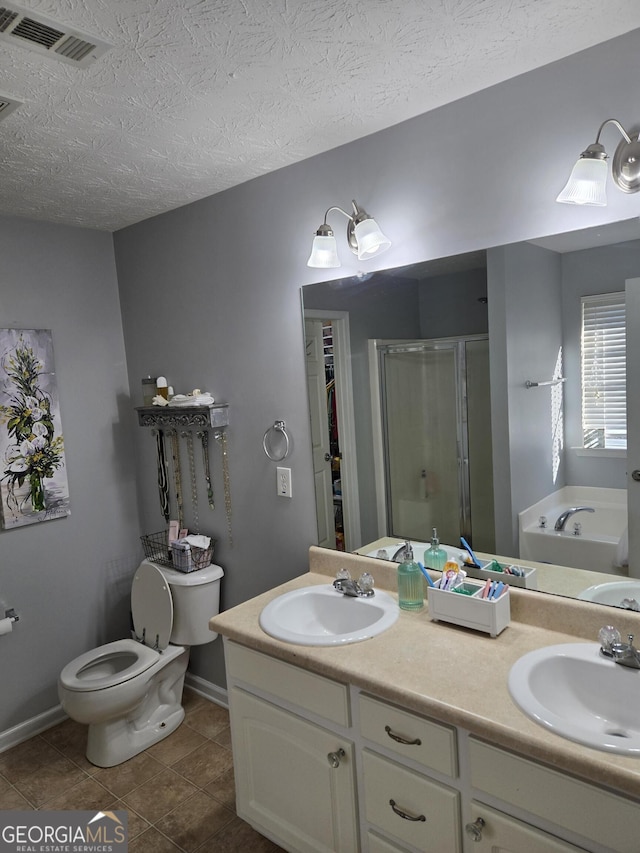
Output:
x,y
69,578
210,292
210,298
525,338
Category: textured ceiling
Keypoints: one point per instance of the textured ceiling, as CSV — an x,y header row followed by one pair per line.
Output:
x,y
196,96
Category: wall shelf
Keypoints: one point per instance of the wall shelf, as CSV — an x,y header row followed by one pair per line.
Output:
x,y
184,416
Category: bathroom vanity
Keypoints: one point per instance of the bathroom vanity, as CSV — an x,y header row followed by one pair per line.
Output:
x,y
410,741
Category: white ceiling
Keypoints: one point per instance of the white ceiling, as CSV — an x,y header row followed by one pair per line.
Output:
x,y
196,96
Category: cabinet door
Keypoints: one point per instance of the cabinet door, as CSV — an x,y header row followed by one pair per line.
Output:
x,y
294,780
504,834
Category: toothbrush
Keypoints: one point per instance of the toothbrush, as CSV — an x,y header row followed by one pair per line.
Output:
x,y
498,590
466,545
486,588
426,574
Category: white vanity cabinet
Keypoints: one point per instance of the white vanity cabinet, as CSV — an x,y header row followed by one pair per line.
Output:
x,y
324,767
402,799
294,769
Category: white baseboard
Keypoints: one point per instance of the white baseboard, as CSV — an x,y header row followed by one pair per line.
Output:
x,y
42,722
207,689
23,731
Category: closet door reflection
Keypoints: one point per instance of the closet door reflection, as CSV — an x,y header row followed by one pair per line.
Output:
x,y
420,412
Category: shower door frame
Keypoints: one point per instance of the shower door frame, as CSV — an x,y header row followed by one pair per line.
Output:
x,y
377,349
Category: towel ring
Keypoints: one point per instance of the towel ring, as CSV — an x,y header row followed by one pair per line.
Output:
x,y
278,427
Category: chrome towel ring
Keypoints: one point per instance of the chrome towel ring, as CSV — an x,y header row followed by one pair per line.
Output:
x,y
274,432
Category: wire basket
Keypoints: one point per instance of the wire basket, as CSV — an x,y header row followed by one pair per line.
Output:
x,y
156,548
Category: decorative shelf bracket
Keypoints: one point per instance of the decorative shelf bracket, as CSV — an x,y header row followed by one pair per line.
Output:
x,y
184,416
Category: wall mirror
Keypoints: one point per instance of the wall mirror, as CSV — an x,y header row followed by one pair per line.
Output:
x,y
448,394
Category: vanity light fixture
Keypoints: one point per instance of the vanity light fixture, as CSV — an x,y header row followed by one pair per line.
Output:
x,y
587,182
363,236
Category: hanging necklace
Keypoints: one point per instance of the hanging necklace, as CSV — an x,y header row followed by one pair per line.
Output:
x,y
204,438
163,480
192,476
221,438
177,475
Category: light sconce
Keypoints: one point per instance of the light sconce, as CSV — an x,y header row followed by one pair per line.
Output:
x,y
587,182
363,236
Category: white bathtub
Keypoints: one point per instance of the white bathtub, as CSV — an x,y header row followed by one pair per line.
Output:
x,y
601,545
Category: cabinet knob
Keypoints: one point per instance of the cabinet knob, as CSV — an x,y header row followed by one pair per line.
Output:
x,y
474,830
334,757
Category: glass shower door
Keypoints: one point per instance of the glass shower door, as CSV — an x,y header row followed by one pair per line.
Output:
x,y
425,436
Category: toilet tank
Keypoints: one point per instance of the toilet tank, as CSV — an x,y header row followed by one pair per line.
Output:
x,y
196,598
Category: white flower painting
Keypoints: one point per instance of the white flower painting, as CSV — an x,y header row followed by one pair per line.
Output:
x,y
33,479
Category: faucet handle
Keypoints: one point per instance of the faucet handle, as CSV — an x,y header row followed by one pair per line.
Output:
x,y
366,582
343,575
608,637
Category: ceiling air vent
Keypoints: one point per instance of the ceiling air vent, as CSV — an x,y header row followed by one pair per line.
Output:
x,y
7,105
41,34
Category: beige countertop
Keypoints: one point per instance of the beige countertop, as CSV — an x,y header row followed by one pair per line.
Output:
x,y
452,674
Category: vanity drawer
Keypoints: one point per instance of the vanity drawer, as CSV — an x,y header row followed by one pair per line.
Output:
x,y
416,796
302,688
592,812
387,726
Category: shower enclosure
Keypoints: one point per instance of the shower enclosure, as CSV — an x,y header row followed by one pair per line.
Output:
x,y
433,413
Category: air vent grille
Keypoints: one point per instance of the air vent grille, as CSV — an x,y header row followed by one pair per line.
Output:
x,y
7,105
44,35
31,30
75,48
7,17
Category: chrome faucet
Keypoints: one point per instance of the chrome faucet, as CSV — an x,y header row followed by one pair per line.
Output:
x,y
566,515
362,588
625,654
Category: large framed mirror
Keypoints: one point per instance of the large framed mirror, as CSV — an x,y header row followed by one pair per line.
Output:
x,y
449,394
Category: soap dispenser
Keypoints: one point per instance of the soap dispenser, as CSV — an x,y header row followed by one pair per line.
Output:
x,y
435,557
410,582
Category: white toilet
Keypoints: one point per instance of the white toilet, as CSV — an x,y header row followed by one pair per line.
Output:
x,y
130,692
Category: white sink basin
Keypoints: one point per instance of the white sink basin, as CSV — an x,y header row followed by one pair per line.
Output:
x,y
612,593
322,616
580,695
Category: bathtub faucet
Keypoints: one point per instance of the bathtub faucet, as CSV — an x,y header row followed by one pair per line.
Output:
x,y
566,515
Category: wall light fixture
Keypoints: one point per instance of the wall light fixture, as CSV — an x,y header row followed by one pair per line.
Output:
x,y
363,236
587,182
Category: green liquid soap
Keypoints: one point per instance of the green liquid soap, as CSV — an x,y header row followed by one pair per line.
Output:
x,y
435,557
410,583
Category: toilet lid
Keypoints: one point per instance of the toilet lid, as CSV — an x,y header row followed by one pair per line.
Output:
x,y
151,606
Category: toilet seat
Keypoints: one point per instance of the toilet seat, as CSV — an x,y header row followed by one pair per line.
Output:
x,y
108,665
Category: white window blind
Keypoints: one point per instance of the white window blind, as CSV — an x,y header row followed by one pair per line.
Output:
x,y
604,377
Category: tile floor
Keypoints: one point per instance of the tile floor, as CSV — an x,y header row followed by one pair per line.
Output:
x,y
179,793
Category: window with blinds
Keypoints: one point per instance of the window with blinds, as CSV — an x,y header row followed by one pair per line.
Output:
x,y
604,372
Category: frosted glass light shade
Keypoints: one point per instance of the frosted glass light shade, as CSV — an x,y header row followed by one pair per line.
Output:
x,y
324,253
586,184
370,239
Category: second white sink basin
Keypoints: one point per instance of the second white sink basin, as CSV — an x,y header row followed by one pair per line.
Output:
x,y
613,593
580,695
322,616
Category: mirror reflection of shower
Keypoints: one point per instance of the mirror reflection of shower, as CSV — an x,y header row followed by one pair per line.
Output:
x,y
434,439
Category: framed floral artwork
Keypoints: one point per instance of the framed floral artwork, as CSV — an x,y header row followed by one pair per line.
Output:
x,y
33,479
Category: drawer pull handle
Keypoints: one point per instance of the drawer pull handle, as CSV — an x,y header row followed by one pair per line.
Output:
x,y
398,739
404,815
334,757
474,830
